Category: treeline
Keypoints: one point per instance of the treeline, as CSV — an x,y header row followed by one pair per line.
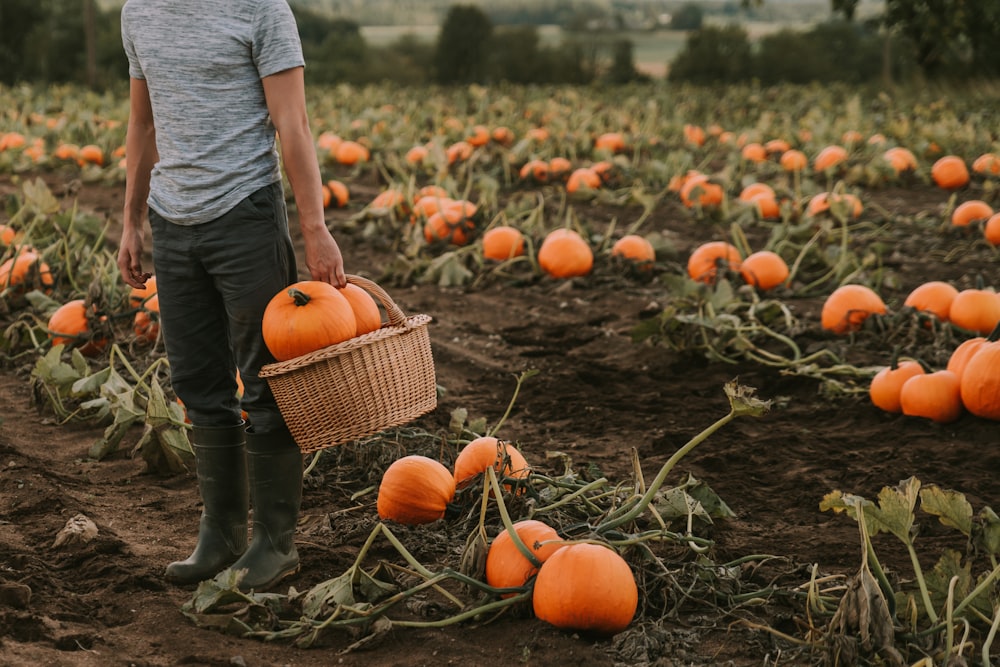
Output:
x,y
57,41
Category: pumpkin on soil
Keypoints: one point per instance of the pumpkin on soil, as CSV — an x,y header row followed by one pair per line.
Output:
x,y
26,271
451,224
7,235
415,490
830,157
934,297
699,190
307,316
489,452
900,159
507,567
366,313
350,153
636,249
980,382
565,254
336,194
935,396
969,212
138,296
848,306
535,170
950,173
583,179
707,259
975,310
764,270
146,323
793,160
502,243
586,587
885,387
992,230
69,324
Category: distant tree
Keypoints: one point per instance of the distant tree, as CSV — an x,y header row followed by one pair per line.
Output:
x,y
687,17
713,55
334,49
18,19
461,53
622,68
953,36
517,56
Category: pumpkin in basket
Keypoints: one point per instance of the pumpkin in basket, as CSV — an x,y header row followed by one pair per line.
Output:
x,y
307,316
366,312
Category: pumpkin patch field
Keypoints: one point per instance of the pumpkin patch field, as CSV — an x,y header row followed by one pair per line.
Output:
x,y
717,374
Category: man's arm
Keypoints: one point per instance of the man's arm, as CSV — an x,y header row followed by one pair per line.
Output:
x,y
286,102
140,156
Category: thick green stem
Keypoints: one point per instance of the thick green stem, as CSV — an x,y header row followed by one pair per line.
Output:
x,y
924,594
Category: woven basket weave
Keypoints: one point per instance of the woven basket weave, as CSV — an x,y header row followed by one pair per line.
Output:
x,y
360,387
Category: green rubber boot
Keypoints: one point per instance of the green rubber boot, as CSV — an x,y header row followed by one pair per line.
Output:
x,y
275,464
221,465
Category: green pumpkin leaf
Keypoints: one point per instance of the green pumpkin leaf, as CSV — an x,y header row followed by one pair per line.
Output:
x,y
894,512
951,507
987,533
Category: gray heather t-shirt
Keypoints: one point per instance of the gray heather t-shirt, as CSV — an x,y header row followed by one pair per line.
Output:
x,y
203,61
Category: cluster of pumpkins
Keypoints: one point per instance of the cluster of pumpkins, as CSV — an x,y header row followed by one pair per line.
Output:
x,y
581,586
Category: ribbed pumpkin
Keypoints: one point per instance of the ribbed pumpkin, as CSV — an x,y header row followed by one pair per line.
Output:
x,y
367,316
415,490
707,259
586,587
848,306
887,384
980,382
764,269
485,452
936,396
506,566
307,316
69,325
565,254
502,243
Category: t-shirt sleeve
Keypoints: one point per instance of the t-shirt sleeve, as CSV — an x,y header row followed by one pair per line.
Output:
x,y
276,44
134,70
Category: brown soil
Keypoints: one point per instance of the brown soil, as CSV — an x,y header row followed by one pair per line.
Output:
x,y
597,395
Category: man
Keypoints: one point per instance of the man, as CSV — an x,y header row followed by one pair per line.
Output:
x,y
211,84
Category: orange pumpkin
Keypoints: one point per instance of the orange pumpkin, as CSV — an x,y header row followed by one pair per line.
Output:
x,y
935,396
502,243
583,179
987,164
992,229
848,306
7,235
829,158
366,312
969,212
91,154
980,382
764,270
709,258
146,323
900,159
793,160
307,316
506,566
559,168
749,192
636,249
950,173
565,254
754,152
535,170
336,194
415,490
70,324
350,153
450,224
416,155
976,310
886,385
570,594
699,190
26,271
934,297
489,452
138,296
610,141
823,201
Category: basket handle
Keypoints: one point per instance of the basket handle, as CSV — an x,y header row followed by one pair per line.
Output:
x,y
396,316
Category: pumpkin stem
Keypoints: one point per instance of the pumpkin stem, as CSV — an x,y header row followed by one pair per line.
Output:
x,y
894,359
298,296
923,364
994,335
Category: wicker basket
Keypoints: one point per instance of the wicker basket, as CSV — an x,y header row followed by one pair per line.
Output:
x,y
360,387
